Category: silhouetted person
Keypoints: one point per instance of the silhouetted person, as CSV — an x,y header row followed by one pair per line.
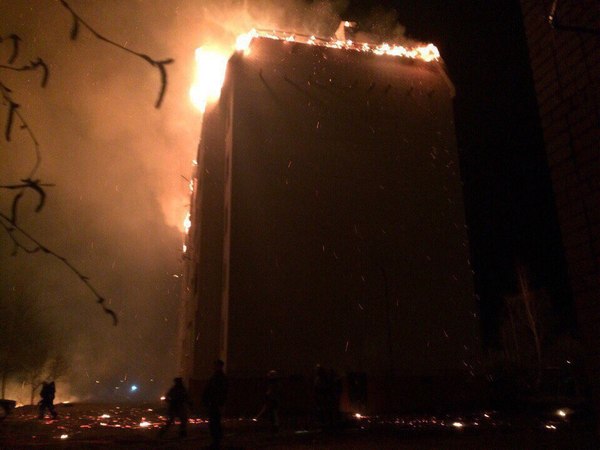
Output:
x,y
213,398
336,387
178,401
272,400
322,389
47,402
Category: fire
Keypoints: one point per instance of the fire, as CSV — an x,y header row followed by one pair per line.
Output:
x,y
210,74
187,223
211,64
427,53
242,43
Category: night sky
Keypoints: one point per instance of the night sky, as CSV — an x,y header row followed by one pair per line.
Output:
x,y
117,162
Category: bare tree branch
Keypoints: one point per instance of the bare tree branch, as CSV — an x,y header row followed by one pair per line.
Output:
x,y
27,184
160,65
11,228
15,50
6,92
33,65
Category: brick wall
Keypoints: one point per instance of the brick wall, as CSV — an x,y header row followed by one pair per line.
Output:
x,y
565,62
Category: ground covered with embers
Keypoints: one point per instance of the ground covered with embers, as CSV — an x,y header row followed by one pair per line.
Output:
x,y
136,426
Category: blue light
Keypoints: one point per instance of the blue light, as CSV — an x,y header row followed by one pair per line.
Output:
x,y
133,388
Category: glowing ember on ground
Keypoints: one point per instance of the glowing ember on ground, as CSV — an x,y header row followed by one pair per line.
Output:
x,y
564,412
82,424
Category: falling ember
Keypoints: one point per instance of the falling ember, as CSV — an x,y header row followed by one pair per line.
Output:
x,y
210,74
64,436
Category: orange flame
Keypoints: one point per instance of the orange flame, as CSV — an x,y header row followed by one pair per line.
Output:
x,y
211,64
210,74
187,223
427,53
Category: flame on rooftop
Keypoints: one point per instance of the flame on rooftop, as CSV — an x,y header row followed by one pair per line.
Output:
x,y
211,64
424,52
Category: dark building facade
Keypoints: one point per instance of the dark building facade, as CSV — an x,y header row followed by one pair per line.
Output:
x,y
328,228
564,46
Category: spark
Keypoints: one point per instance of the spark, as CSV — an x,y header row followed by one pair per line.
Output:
x,y
457,424
105,416
64,436
163,398
145,424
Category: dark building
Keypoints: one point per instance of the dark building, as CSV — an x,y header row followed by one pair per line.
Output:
x,y
564,46
328,228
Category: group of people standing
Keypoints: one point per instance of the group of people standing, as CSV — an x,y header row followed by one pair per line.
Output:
x,y
213,398
327,387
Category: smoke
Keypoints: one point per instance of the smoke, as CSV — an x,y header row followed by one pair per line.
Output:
x,y
119,199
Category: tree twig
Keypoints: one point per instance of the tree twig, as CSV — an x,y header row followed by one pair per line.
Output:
x,y
33,65
11,227
15,50
160,65
13,108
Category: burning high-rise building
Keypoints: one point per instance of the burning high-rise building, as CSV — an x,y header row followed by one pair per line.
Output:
x,y
327,226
